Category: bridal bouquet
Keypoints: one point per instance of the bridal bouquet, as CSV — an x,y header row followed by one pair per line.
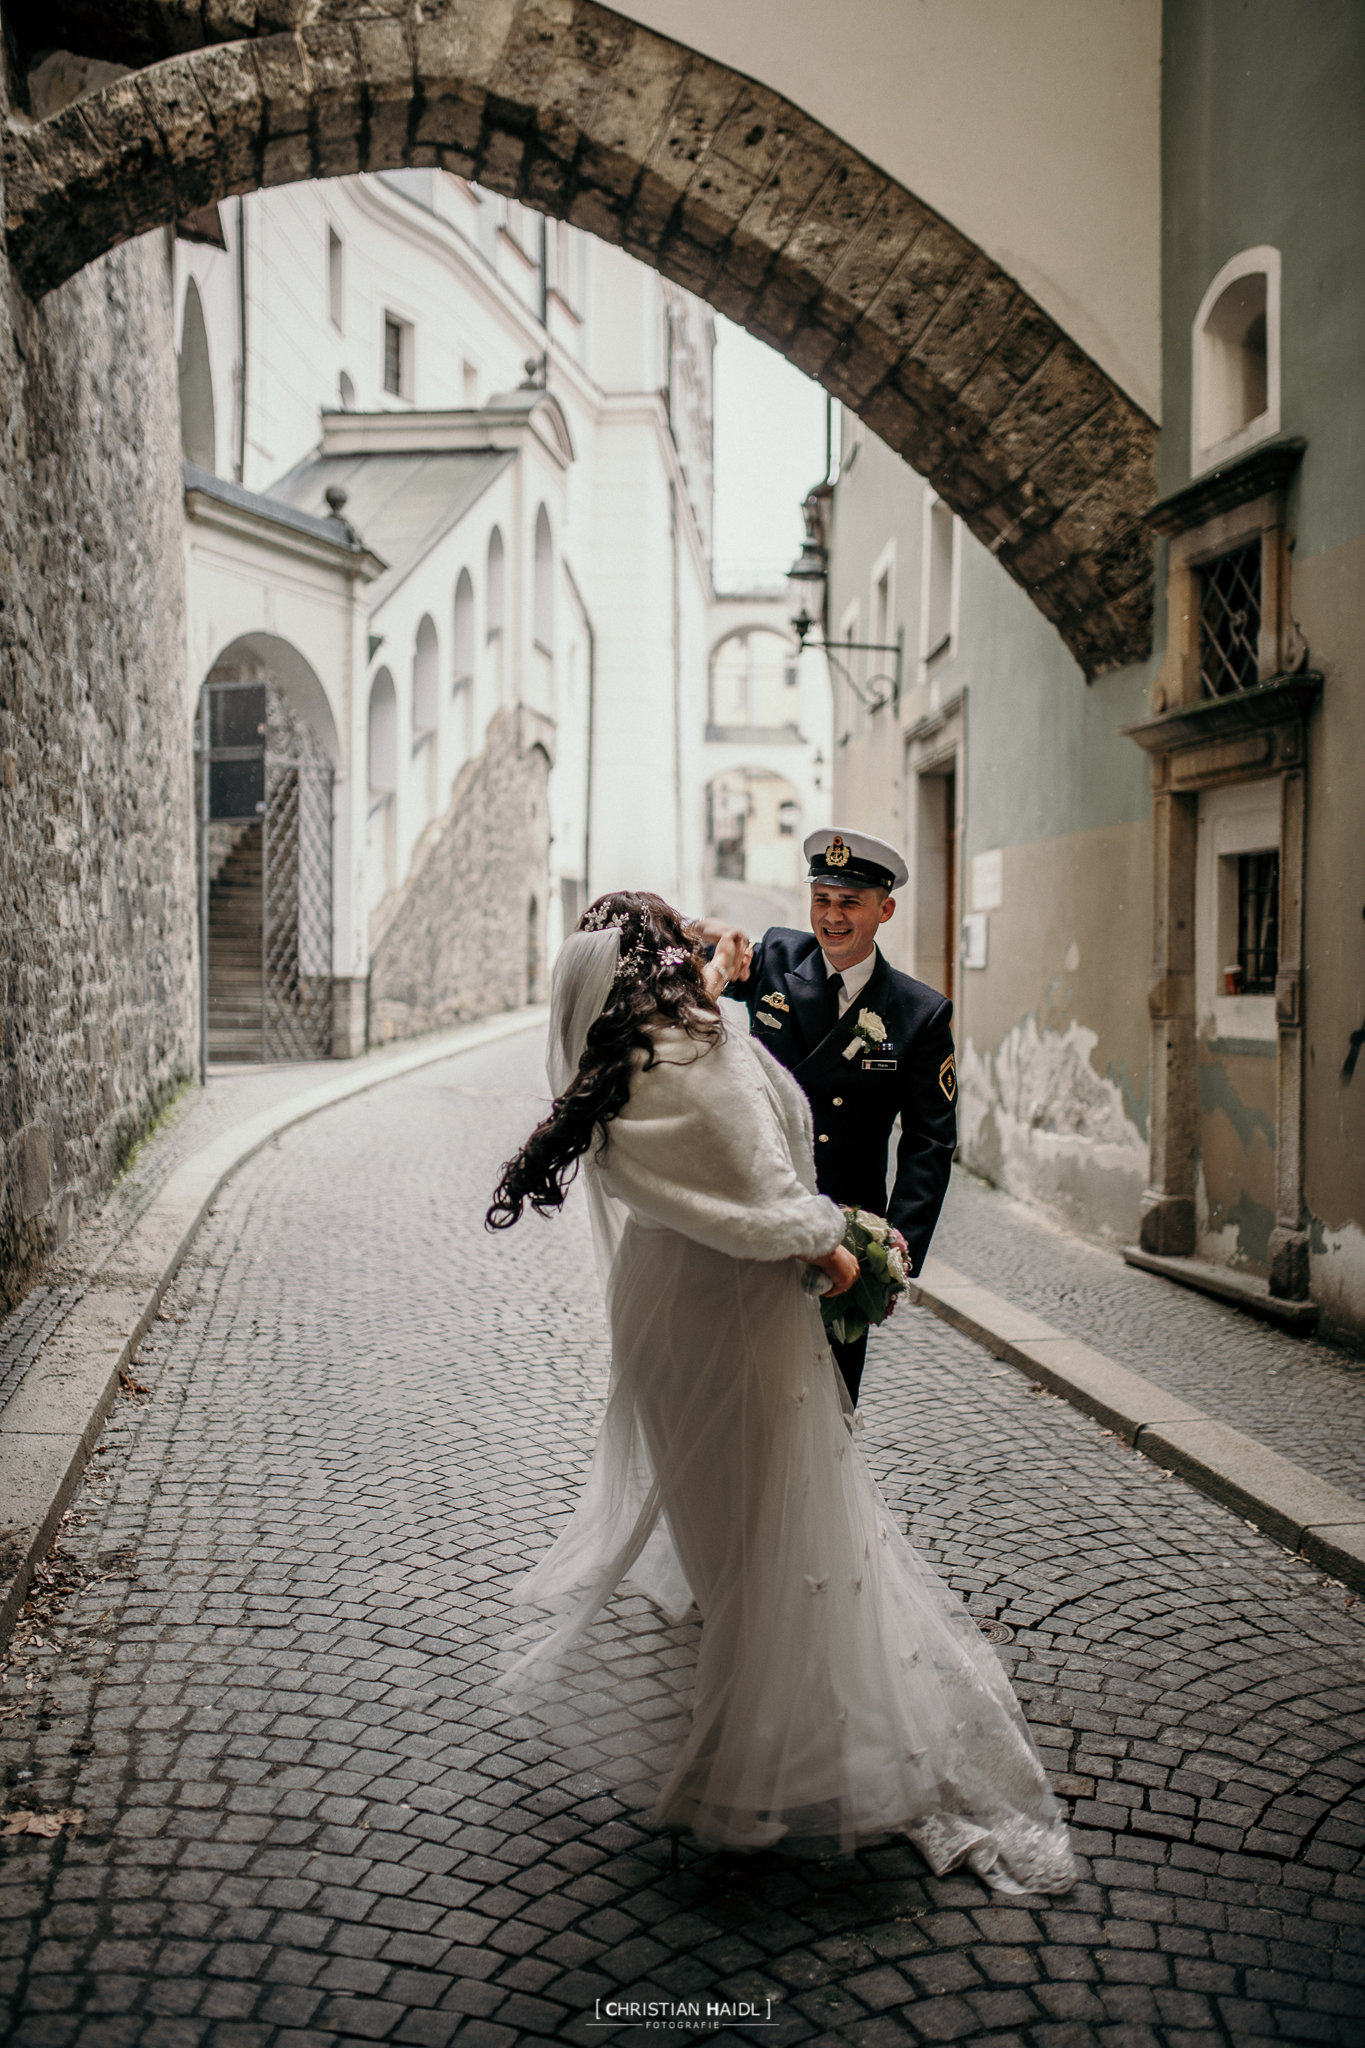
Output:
x,y
883,1269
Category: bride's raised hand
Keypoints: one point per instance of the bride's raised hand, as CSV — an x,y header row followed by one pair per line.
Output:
x,y
842,1268
729,962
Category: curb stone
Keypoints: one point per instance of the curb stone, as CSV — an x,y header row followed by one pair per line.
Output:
x,y
51,1423
1300,1511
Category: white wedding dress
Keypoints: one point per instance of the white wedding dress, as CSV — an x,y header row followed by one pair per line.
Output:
x,y
842,1691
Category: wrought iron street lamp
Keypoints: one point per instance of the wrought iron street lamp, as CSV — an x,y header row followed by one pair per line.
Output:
x,y
806,591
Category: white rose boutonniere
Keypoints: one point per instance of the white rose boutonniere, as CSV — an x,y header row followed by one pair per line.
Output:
x,y
868,1033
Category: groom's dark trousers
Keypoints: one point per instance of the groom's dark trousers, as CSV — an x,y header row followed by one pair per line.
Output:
x,y
909,1072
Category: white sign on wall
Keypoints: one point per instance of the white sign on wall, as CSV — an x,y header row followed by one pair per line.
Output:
x,y
974,927
988,879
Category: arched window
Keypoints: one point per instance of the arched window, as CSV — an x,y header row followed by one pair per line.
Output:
x,y
543,607
425,712
496,574
753,677
1235,372
346,390
198,440
495,583
462,638
462,649
381,842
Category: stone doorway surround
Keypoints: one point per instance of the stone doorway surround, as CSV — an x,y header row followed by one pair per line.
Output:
x,y
1200,742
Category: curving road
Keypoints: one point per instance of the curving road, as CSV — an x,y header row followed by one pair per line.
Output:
x,y
262,1675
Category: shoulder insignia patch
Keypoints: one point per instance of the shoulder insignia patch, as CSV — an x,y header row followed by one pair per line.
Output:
x,y
779,1002
947,1076
773,1023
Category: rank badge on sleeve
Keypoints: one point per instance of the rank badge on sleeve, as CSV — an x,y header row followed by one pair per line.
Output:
x,y
947,1076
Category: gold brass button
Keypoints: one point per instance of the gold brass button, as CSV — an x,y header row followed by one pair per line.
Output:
x,y
838,1102
823,1139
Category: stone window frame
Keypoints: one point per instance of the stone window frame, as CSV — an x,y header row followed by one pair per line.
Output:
x,y
1262,261
1197,743
1206,522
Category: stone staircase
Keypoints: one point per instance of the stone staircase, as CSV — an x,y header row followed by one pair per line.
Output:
x,y
235,913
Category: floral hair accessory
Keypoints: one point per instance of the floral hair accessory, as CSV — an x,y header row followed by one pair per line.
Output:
x,y
601,919
673,956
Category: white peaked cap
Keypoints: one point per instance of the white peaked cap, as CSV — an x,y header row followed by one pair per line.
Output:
x,y
854,858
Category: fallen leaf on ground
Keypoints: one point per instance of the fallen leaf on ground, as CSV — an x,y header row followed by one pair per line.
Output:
x,y
48,1824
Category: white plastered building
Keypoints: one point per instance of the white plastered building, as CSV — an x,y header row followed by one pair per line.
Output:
x,y
448,491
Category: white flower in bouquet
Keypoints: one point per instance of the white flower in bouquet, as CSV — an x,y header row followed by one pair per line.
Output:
x,y
875,1226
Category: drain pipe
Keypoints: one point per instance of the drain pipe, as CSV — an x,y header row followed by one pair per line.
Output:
x,y
586,617
203,888
240,464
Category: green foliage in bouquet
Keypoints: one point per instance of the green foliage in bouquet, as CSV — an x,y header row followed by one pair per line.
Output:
x,y
883,1269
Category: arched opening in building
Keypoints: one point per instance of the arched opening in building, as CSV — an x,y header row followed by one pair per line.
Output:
x,y
534,952
265,817
1235,380
754,868
462,662
426,713
753,685
381,829
901,316
543,613
198,435
495,616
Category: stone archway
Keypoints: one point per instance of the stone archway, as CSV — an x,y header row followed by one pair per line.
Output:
x,y
716,181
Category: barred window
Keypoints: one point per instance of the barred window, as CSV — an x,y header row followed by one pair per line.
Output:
x,y
1258,921
1230,622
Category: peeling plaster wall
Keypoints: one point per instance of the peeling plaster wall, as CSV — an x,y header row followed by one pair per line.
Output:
x,y
1052,1033
1036,1119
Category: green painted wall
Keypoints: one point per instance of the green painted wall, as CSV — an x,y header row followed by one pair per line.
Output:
x,y
1263,141
1044,756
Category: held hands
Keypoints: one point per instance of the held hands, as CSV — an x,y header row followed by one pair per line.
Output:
x,y
842,1268
730,961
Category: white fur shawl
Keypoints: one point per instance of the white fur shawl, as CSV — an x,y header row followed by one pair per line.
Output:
x,y
715,1143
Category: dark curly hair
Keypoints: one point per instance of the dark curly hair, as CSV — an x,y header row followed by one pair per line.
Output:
x,y
650,991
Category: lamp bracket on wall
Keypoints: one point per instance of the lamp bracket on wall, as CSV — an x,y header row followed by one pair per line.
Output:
x,y
802,625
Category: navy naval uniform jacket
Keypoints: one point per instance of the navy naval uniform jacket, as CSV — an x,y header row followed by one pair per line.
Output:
x,y
911,1074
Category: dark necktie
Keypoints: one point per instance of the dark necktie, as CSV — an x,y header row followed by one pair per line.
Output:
x,y
833,990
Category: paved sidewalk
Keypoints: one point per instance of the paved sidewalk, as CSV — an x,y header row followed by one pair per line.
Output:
x,y
1299,1397
198,1116
261,1672
67,1348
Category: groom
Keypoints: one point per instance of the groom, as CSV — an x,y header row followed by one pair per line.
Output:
x,y
866,1043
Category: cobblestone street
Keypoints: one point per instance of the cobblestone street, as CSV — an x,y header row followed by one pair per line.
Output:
x,y
308,1817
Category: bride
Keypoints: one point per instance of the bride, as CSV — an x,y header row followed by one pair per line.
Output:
x,y
842,1691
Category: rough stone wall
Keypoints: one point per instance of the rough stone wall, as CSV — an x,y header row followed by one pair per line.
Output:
x,y
97,943
454,943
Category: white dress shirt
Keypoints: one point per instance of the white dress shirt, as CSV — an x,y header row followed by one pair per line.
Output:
x,y
855,978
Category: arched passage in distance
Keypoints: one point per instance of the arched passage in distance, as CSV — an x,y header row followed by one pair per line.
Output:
x,y
718,182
